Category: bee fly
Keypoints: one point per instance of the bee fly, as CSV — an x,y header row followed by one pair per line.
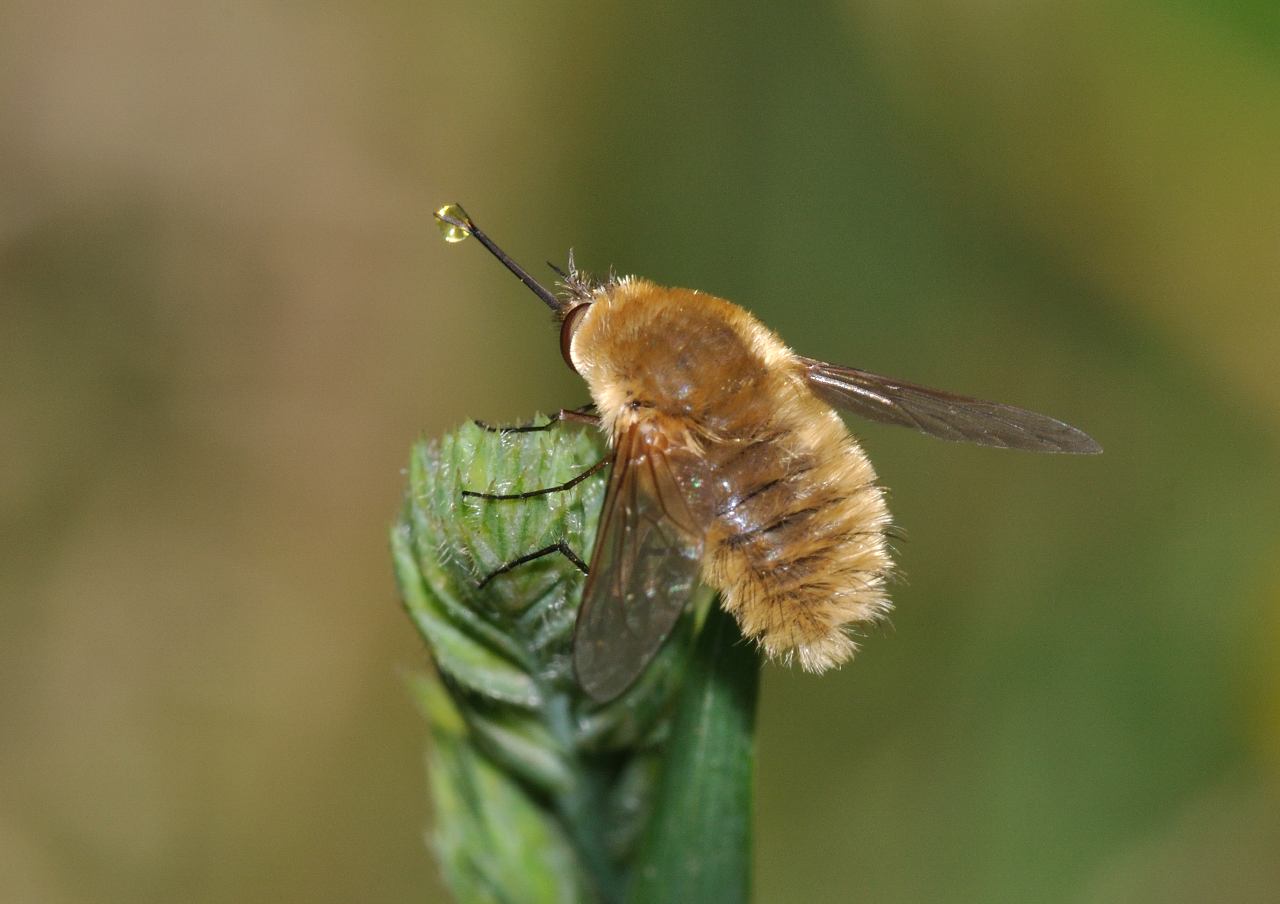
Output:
x,y
731,465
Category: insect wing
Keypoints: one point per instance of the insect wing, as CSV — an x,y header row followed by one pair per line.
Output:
x,y
943,414
642,572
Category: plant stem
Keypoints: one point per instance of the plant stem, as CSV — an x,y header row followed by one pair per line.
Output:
x,y
698,846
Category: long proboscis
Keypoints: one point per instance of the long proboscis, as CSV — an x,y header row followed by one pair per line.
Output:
x,y
469,226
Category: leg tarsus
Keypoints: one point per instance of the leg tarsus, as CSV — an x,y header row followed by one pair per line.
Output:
x,y
561,547
583,415
560,488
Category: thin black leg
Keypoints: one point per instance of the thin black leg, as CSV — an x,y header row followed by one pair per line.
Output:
x,y
583,415
562,547
567,485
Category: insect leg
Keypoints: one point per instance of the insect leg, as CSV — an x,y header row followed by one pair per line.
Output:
x,y
584,415
561,547
560,488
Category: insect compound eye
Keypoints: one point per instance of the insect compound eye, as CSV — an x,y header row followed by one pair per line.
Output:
x,y
568,327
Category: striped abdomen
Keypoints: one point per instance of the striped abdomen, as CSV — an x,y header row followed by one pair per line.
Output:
x,y
796,543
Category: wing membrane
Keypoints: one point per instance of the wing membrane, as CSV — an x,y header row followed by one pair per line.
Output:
x,y
943,414
643,568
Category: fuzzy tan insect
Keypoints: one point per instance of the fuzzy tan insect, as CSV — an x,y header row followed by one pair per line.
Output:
x,y
730,464
783,500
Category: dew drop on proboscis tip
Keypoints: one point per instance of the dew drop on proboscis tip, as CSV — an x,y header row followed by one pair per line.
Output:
x,y
451,233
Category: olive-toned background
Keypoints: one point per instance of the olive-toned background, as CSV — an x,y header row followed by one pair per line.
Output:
x,y
226,314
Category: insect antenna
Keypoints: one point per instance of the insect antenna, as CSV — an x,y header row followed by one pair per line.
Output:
x,y
453,215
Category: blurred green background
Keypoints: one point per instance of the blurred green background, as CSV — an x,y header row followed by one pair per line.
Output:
x,y
227,314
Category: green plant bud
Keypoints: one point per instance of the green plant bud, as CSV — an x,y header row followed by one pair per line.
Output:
x,y
540,794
